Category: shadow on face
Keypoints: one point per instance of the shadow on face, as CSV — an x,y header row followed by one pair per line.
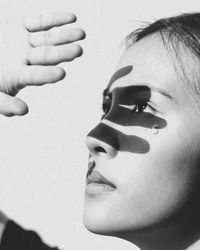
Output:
x,y
111,136
126,106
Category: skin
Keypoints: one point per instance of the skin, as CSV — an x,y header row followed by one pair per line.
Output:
x,y
32,59
156,201
157,198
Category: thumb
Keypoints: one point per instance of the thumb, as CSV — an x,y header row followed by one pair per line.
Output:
x,y
10,106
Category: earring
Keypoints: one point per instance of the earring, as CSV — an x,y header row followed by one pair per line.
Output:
x,y
155,129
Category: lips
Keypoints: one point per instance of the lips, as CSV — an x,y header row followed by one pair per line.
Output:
x,y
96,177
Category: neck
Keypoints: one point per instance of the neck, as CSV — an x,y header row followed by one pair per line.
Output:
x,y
182,232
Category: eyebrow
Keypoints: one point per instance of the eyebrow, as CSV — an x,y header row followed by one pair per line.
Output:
x,y
161,91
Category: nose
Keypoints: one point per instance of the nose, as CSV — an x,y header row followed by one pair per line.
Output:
x,y
102,142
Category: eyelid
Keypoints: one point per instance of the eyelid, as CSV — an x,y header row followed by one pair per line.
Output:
x,y
149,103
107,105
138,102
130,106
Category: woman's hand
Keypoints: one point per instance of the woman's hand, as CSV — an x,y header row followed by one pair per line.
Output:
x,y
30,49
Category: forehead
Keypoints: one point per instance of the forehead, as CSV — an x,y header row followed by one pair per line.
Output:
x,y
151,63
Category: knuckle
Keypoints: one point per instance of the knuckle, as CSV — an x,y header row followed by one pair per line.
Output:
x,y
46,54
20,81
47,37
31,38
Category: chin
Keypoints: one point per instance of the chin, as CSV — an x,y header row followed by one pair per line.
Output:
x,y
108,215
100,227
97,221
100,218
104,220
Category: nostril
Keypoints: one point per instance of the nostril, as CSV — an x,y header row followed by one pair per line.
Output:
x,y
99,150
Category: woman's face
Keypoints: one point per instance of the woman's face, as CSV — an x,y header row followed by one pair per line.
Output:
x,y
147,145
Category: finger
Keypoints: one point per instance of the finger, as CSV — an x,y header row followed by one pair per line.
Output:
x,y
39,75
52,55
10,106
56,36
44,22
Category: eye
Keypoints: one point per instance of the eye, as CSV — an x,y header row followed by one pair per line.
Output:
x,y
139,107
105,109
142,106
106,105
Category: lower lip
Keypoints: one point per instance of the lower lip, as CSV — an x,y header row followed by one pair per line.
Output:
x,y
98,188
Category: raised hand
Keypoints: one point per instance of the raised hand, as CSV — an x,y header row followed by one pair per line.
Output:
x,y
30,49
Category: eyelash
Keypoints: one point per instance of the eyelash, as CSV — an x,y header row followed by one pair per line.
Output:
x,y
136,107
145,104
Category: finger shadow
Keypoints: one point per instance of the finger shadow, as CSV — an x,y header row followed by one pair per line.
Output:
x,y
111,136
121,114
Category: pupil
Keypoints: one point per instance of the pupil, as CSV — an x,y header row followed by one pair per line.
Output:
x,y
142,107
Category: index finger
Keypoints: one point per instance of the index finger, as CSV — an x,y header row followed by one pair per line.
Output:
x,y
45,22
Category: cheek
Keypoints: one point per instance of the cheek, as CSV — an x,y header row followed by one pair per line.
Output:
x,y
155,185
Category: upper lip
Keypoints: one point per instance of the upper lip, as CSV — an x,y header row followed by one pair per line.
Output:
x,y
96,177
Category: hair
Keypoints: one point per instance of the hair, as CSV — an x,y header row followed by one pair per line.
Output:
x,y
177,32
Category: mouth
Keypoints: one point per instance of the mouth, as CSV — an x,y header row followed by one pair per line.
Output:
x,y
97,183
97,177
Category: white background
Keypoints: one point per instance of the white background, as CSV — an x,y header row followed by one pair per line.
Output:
x,y
43,158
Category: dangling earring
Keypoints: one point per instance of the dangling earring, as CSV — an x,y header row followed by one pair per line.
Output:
x,y
155,129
